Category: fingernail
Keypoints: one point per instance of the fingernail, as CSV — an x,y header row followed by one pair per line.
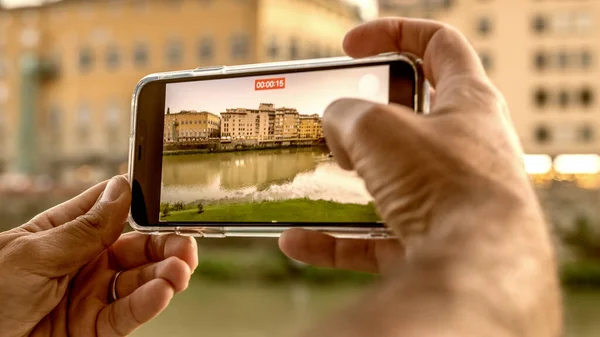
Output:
x,y
112,191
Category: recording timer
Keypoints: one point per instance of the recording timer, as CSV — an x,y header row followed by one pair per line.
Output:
x,y
269,83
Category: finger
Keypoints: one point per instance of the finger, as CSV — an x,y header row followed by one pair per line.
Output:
x,y
354,128
125,315
172,270
67,211
446,53
135,249
67,247
323,250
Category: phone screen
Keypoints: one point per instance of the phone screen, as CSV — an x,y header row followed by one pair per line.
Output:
x,y
251,149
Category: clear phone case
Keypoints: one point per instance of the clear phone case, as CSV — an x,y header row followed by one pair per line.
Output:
x,y
376,231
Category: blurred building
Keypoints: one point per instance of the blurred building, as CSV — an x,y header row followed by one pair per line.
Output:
x,y
310,127
67,69
543,55
191,125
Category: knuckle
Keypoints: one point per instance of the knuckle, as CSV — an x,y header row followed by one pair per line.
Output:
x,y
95,217
90,224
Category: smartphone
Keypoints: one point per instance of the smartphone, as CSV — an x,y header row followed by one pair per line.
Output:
x,y
239,150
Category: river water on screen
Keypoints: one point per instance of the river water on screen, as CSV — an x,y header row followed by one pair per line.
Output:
x,y
280,174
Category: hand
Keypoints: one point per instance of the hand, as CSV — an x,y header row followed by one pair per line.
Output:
x,y
478,259
57,268
420,169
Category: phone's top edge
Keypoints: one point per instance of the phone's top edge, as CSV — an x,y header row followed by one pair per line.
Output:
x,y
260,67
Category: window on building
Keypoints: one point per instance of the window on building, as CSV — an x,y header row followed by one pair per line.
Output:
x,y
174,53
294,49
240,47
584,21
563,99
272,48
486,60
86,59
562,59
586,134
484,26
541,97
542,134
540,60
112,58
586,59
206,49
539,24
586,97
140,55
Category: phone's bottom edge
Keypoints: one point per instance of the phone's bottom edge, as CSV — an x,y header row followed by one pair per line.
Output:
x,y
270,231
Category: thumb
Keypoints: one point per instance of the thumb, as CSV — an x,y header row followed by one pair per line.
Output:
x,y
68,247
383,144
356,129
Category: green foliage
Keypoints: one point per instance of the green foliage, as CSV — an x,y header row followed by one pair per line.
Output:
x,y
581,275
584,241
218,270
165,209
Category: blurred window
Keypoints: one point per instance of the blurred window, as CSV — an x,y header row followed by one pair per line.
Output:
x,y
539,24
540,60
586,134
140,55
563,99
541,97
486,60
586,97
583,21
239,47
174,53
562,59
484,26
112,58
294,49
273,48
86,59
206,49
542,134
586,59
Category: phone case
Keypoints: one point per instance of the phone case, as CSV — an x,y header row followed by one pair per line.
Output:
x,y
377,231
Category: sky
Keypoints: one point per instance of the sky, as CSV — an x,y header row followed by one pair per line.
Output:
x,y
308,92
369,7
